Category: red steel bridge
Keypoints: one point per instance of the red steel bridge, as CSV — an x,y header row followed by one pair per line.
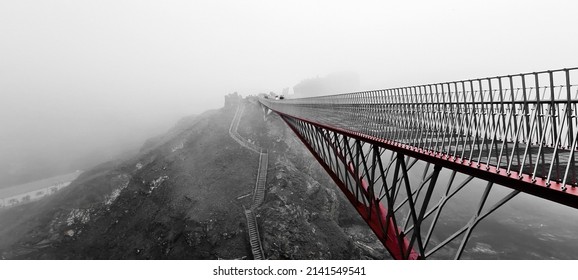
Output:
x,y
518,131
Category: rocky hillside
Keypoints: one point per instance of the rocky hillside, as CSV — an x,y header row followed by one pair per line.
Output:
x,y
182,197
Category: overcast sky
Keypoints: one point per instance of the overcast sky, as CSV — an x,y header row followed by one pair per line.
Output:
x,y
84,74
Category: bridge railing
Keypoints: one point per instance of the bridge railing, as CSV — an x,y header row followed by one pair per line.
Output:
x,y
523,124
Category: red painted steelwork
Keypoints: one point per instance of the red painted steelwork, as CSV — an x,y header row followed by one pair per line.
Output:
x,y
376,218
375,221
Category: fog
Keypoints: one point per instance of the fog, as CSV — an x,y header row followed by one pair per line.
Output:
x,y
84,81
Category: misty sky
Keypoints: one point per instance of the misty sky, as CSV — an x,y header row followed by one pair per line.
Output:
x,y
79,76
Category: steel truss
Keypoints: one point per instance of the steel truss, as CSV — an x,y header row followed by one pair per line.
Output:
x,y
376,181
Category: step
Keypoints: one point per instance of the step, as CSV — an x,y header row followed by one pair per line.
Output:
x,y
256,247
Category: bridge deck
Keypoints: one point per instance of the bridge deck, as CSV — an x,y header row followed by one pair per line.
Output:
x,y
514,130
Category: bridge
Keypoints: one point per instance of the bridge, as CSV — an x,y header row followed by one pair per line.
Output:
x,y
518,131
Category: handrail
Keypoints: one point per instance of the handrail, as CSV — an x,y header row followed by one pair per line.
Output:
x,y
495,121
